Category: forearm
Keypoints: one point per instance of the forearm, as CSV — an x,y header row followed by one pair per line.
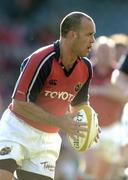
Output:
x,y
120,81
34,113
110,91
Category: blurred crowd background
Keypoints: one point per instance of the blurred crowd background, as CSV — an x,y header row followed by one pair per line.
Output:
x,y
26,25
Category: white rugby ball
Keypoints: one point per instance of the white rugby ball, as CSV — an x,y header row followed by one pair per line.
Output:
x,y
85,114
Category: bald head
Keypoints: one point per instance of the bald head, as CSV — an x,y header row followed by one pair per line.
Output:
x,y
72,22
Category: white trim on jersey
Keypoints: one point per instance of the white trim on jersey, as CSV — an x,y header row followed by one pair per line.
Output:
x,y
35,76
20,76
37,72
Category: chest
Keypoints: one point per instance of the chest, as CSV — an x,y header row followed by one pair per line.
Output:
x,y
60,82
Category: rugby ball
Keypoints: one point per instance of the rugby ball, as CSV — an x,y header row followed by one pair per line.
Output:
x,y
85,114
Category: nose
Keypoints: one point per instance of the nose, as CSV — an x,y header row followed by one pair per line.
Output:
x,y
92,39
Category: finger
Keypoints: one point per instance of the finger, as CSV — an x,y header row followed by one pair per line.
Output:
x,y
82,135
79,133
96,140
82,129
74,137
77,136
99,129
80,124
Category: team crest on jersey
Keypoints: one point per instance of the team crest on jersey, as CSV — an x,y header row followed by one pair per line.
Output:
x,y
5,150
78,87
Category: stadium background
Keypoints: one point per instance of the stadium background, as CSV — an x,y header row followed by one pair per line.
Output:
x,y
29,24
26,25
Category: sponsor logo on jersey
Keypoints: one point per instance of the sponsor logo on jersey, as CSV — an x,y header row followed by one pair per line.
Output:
x,y
59,95
78,87
5,150
53,82
47,165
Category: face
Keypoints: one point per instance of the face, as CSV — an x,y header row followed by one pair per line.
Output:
x,y
106,55
84,38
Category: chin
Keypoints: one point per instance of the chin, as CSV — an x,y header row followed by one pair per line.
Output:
x,y
84,54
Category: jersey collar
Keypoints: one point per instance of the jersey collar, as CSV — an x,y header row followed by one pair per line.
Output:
x,y
57,49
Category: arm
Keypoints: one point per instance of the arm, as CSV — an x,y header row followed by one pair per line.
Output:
x,y
115,89
83,95
120,79
32,111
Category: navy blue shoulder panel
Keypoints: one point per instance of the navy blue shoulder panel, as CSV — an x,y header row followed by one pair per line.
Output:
x,y
24,63
89,64
82,95
41,78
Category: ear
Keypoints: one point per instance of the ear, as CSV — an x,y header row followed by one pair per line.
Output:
x,y
72,34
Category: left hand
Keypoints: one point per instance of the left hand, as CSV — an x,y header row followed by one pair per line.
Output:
x,y
98,135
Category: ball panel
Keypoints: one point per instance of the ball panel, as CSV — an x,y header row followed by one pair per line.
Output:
x,y
85,114
79,142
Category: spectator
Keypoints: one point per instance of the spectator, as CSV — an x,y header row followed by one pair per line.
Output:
x,y
121,43
109,107
120,81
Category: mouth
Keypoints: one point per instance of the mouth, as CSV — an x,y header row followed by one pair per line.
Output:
x,y
88,49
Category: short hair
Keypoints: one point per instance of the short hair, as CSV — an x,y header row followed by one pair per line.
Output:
x,y
103,40
120,39
72,21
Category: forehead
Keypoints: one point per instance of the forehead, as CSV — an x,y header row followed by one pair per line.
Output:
x,y
105,48
88,25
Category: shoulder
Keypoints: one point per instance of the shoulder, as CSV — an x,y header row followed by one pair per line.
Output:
x,y
86,60
43,55
88,64
39,58
46,51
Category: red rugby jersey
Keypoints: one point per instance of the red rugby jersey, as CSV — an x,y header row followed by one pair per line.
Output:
x,y
108,109
44,81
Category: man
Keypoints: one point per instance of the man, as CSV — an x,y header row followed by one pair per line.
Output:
x,y
51,80
120,81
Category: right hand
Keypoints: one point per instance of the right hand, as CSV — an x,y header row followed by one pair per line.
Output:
x,y
71,127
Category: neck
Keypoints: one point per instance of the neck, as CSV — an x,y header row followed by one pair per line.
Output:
x,y
67,57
